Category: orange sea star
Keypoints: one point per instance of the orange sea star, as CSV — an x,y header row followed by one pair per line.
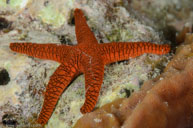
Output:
x,y
87,57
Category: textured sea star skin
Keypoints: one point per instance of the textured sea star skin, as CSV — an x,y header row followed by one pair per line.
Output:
x,y
87,57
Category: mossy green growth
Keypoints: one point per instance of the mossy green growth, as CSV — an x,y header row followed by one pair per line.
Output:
x,y
116,93
156,63
51,15
13,3
3,3
119,35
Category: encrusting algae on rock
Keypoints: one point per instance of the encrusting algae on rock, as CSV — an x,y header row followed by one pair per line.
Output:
x,y
163,102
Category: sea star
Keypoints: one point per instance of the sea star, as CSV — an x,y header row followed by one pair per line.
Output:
x,y
87,57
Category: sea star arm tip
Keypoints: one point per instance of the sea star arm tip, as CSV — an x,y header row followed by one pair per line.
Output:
x,y
83,32
118,51
58,82
42,51
93,81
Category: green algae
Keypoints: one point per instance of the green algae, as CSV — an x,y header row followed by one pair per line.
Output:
x,y
13,3
3,3
119,35
51,15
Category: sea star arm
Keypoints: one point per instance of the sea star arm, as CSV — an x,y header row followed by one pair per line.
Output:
x,y
117,51
93,79
58,82
83,32
42,51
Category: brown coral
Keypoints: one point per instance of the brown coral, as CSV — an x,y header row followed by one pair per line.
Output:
x,y
164,102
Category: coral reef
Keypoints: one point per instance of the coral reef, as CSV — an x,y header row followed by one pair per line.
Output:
x,y
44,21
166,16
182,35
163,102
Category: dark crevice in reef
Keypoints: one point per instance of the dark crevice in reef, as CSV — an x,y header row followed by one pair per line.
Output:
x,y
64,39
4,77
71,20
128,92
9,120
4,24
